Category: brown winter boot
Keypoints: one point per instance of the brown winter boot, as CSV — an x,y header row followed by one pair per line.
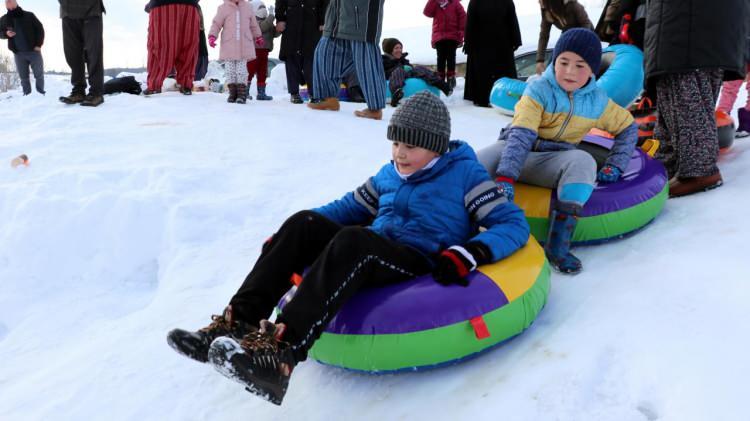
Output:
x,y
232,92
195,345
679,187
241,93
368,113
330,104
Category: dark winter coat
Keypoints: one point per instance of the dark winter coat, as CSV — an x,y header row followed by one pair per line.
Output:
x,y
156,3
81,9
610,22
357,20
436,208
22,21
448,23
390,63
686,35
492,35
573,16
303,21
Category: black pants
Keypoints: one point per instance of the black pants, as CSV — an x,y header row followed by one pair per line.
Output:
x,y
341,260
299,71
83,45
446,56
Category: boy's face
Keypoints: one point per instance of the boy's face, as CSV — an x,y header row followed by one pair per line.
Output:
x,y
410,159
571,71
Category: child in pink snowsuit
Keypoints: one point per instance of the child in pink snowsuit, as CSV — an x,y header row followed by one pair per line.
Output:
x,y
240,33
729,91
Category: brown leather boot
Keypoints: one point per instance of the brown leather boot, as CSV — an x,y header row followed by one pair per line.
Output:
x,y
330,104
688,185
368,113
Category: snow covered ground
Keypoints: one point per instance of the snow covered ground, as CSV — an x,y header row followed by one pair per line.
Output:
x,y
145,214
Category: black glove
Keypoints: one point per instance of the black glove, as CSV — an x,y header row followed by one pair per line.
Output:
x,y
455,263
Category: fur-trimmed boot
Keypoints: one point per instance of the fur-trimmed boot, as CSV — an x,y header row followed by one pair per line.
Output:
x,y
241,93
557,247
232,92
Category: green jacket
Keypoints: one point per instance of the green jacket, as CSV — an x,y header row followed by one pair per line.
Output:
x,y
356,20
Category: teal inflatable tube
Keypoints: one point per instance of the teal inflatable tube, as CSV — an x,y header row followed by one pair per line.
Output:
x,y
413,85
621,76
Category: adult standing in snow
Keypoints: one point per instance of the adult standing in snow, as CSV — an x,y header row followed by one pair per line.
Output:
x,y
448,25
84,49
492,35
686,60
173,29
201,65
564,14
300,23
25,35
350,40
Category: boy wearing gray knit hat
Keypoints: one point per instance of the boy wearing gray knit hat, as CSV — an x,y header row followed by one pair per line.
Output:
x,y
417,216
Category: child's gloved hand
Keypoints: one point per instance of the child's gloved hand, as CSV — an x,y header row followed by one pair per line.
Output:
x,y
455,263
259,42
212,41
505,185
608,174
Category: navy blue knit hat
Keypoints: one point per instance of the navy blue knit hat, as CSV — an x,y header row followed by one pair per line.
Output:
x,y
583,42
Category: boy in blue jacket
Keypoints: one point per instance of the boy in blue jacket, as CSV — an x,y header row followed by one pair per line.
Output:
x,y
418,214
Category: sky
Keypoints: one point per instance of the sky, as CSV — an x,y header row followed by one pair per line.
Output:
x,y
126,27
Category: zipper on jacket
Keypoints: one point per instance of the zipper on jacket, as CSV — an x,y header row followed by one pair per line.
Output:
x,y
567,119
356,16
239,26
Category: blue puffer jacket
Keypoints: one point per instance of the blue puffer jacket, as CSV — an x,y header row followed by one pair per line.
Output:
x,y
436,208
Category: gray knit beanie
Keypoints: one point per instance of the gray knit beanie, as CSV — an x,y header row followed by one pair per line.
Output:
x,y
422,120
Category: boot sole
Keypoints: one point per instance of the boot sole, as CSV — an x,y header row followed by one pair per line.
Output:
x,y
705,189
177,347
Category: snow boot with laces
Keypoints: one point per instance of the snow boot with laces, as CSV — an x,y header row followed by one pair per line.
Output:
x,y
195,345
261,361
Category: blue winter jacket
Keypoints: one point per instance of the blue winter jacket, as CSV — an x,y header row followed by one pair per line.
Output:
x,y
436,208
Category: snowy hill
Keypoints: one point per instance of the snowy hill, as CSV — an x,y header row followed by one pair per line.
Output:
x,y
145,214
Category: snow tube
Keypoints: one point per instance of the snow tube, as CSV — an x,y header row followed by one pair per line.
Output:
x,y
343,93
614,210
725,129
421,324
412,86
621,76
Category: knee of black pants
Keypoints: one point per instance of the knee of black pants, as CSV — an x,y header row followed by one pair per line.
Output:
x,y
352,240
301,218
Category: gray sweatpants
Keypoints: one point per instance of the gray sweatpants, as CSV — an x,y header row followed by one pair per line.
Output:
x,y
572,172
34,60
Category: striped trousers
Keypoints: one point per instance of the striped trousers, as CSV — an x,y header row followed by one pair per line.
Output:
x,y
336,57
172,44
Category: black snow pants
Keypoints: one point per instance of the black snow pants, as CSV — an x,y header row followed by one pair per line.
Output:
x,y
341,260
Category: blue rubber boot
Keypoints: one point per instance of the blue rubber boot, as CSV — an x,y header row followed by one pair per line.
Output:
x,y
557,248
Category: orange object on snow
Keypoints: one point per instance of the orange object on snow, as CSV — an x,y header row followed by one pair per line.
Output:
x,y
19,160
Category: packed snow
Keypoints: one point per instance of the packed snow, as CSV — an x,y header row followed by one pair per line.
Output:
x,y
145,214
